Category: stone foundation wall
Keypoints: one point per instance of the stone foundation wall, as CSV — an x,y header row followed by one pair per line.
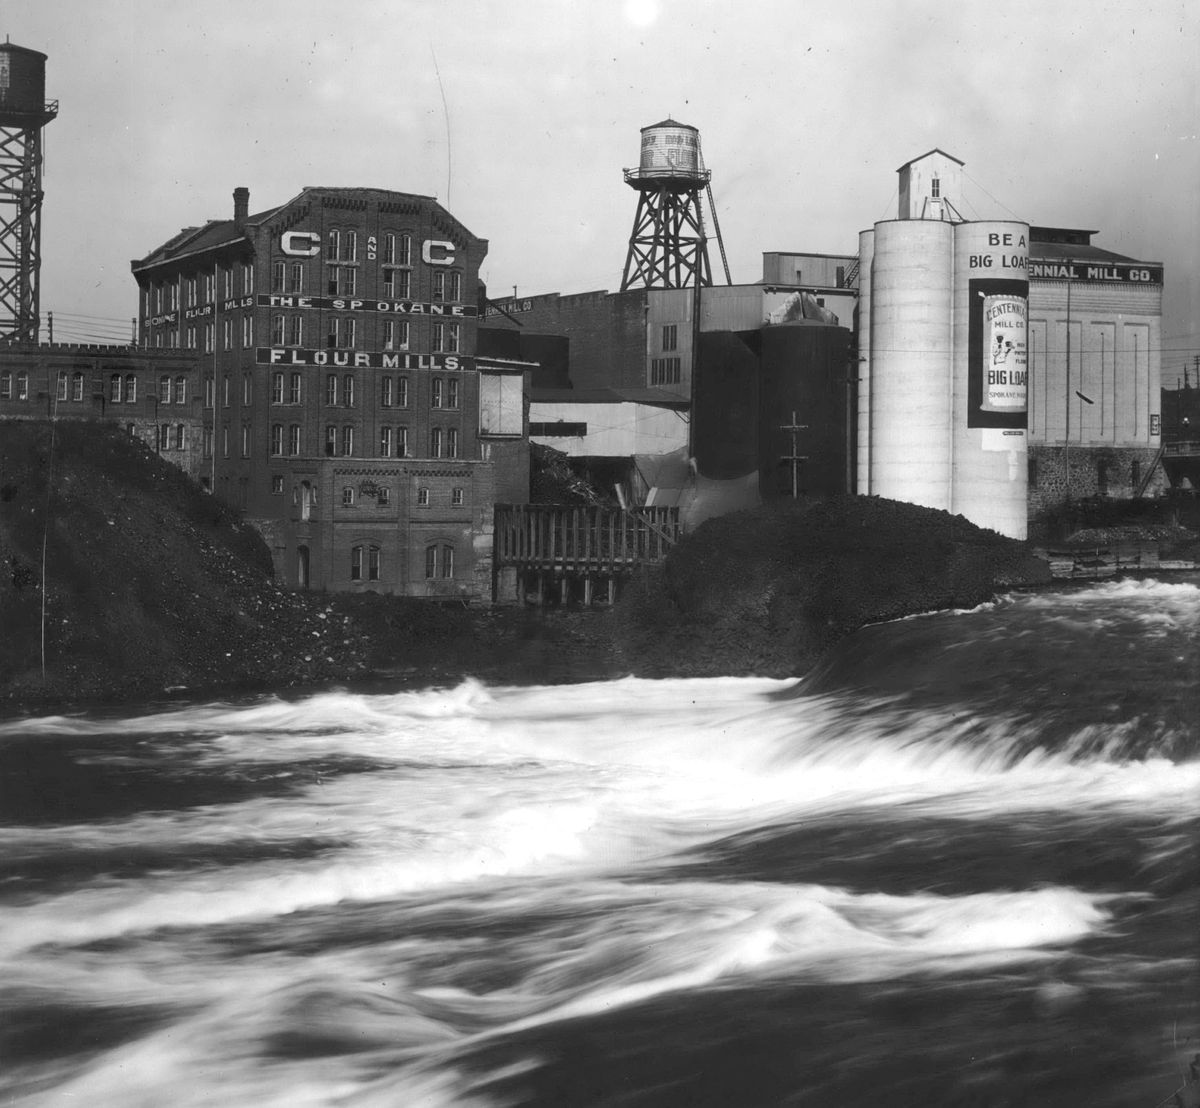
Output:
x,y
1058,474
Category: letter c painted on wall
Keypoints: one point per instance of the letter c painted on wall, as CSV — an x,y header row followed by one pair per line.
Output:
x,y
300,244
444,255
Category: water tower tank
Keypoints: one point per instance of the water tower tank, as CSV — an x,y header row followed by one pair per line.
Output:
x,y
22,79
670,149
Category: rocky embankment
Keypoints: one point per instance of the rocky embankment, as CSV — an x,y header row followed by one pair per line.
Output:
x,y
152,587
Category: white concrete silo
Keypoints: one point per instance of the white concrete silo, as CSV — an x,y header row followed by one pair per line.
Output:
x,y
911,399
991,295
866,255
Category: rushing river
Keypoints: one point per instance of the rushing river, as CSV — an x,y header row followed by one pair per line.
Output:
x,y
955,866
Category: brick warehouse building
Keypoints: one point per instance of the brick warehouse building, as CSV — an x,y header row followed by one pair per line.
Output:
x,y
344,410
154,395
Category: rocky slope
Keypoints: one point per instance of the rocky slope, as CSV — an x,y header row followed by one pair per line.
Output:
x,y
151,586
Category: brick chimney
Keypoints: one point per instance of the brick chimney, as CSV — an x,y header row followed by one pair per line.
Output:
x,y
241,205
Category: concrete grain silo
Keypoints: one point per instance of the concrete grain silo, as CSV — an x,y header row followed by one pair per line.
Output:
x,y
943,325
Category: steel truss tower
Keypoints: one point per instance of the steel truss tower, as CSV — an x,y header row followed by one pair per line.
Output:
x,y
23,114
668,248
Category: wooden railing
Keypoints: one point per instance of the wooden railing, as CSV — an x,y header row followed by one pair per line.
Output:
x,y
582,540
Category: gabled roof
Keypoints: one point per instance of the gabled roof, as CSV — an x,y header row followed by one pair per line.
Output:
x,y
935,150
217,233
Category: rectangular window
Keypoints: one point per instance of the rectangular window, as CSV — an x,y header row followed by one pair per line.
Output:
x,y
276,388
439,285
227,281
501,404
665,371
385,392
6,386
295,330
277,483
62,385
276,438
452,393
225,441
447,561
435,393
385,442
445,337
209,336
373,559
389,282
247,278
431,561
456,497
247,331
389,249
422,497
247,389
276,330
227,333
455,292
165,390
405,254
383,496
294,439
333,241
190,337
114,388
296,277
209,285
294,389
180,436
435,442
452,443
210,392
389,333
208,442
330,441
180,390
245,440
401,442
277,276
348,390
76,387
349,246
348,496
226,391
189,292
401,392
347,441
356,553
670,336
331,389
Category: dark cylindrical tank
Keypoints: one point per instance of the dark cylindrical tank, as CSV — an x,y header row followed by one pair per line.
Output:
x,y
725,414
805,372
22,79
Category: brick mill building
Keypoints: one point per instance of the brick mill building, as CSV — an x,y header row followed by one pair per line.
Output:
x,y
343,408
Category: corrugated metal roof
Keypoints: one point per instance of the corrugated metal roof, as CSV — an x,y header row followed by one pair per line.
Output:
x,y
1073,251
657,397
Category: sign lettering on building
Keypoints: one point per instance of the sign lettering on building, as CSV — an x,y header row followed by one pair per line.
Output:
x,y
1106,273
348,304
1004,374
300,244
358,359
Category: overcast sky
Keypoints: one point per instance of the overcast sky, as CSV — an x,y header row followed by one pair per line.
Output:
x,y
520,116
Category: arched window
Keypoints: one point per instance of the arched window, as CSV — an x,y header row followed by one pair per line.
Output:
x,y
356,563
114,388
180,390
164,389
372,563
130,388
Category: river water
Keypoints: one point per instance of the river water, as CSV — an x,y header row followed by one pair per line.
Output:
x,y
955,866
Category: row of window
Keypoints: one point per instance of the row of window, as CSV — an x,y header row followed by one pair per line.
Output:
x,y
393,441
342,280
383,496
365,562
198,288
343,333
122,388
341,391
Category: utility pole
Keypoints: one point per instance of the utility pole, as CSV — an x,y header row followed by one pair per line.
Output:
x,y
795,429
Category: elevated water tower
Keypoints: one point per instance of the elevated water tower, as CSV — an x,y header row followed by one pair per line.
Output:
x,y
668,248
24,111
